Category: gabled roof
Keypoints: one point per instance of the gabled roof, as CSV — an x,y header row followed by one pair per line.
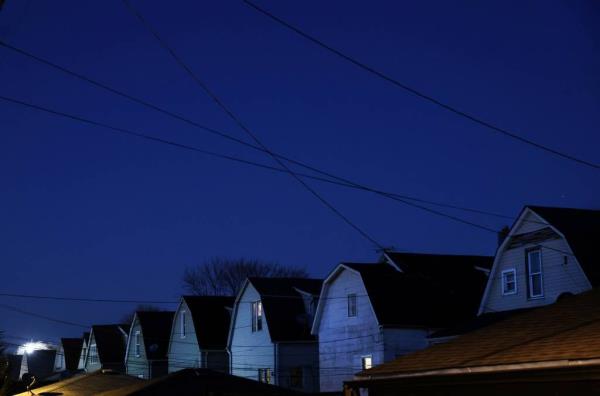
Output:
x,y
581,228
41,362
71,351
200,382
559,334
110,342
284,308
211,319
156,329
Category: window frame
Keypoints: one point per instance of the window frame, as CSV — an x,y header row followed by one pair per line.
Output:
x,y
182,323
512,271
137,344
257,313
352,305
363,364
530,275
93,353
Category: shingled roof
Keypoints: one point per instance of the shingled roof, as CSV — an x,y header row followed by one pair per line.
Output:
x,y
283,302
565,332
211,319
429,290
72,351
581,228
110,342
156,330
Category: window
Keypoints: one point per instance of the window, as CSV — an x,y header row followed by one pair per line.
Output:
x,y
94,354
264,375
534,273
257,316
141,376
182,323
366,362
137,343
509,281
296,377
351,305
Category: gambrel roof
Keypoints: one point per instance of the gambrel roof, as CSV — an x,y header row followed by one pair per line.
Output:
x,y
581,228
72,351
156,330
110,342
211,316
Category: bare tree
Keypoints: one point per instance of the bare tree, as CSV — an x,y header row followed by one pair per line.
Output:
x,y
224,277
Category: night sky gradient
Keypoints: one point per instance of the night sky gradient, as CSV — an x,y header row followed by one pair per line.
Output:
x,y
88,213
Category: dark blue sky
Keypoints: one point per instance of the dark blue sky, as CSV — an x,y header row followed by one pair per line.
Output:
x,y
84,212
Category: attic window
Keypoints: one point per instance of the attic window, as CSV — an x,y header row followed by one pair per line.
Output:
x,y
257,316
351,305
534,273
93,354
509,282
182,323
137,343
366,362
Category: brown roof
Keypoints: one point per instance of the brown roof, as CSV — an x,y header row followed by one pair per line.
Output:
x,y
565,331
86,384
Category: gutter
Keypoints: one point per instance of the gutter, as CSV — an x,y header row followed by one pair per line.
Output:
x,y
565,363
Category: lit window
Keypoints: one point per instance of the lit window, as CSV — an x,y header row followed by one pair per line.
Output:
x,y
264,375
534,273
351,305
509,281
137,343
366,362
182,323
296,377
257,316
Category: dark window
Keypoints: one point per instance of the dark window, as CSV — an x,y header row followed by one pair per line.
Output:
x,y
351,304
296,377
257,316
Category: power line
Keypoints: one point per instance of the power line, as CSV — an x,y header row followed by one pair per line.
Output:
x,y
35,315
245,128
343,181
418,93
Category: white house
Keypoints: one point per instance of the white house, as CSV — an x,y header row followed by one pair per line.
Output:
x,y
107,348
147,344
369,314
198,337
269,336
68,354
84,349
549,252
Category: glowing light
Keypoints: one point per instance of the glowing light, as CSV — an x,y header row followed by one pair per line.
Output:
x,y
31,347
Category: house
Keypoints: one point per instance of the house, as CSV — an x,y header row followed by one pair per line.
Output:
x,y
147,344
15,366
84,349
201,382
107,348
554,350
38,364
85,384
68,354
369,314
269,337
198,337
548,253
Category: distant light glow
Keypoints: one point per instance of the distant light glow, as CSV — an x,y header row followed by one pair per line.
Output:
x,y
31,347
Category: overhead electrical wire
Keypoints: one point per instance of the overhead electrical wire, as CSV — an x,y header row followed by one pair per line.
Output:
x,y
372,70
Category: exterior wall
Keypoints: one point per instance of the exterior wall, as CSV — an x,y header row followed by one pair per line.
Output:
x,y
344,340
557,278
59,360
295,355
398,342
89,365
184,352
82,356
137,365
250,350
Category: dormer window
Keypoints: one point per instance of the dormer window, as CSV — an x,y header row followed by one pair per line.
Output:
x,y
137,343
534,274
257,316
509,281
